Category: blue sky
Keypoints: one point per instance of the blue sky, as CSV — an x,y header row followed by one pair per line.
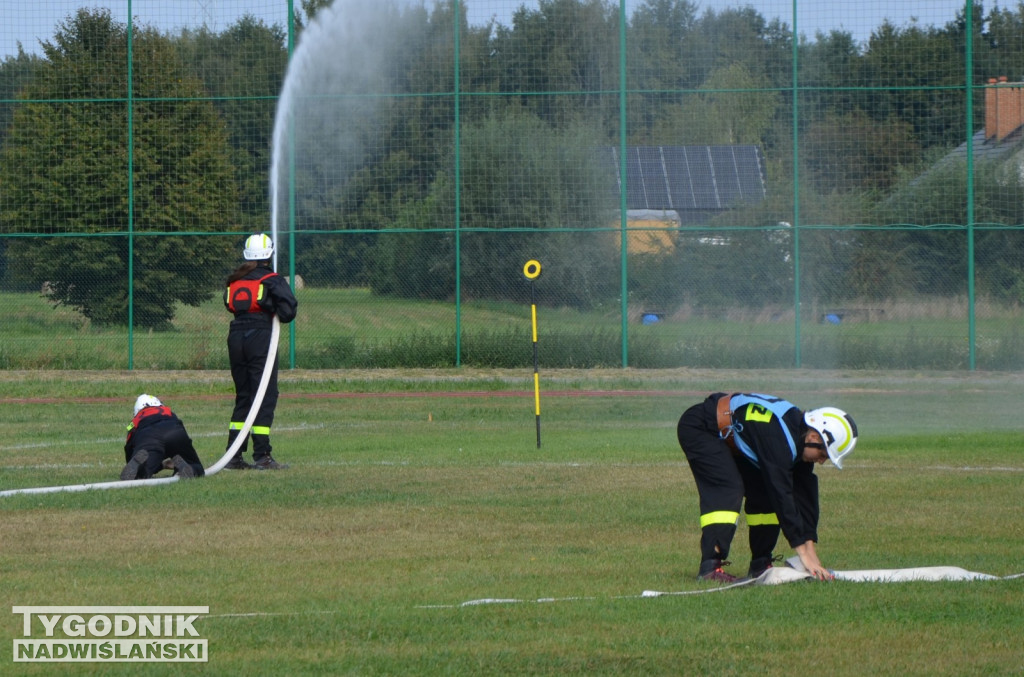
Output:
x,y
30,22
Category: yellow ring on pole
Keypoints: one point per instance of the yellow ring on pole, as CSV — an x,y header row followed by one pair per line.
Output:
x,y
532,269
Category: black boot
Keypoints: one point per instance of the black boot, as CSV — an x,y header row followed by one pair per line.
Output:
x,y
261,458
711,570
182,469
267,462
759,565
135,469
236,462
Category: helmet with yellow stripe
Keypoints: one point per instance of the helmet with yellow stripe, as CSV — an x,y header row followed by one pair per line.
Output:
x,y
258,247
837,430
145,400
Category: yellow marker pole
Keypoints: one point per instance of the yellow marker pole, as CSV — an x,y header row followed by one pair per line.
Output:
x,y
531,271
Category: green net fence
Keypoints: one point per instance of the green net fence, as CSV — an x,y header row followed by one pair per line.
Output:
x,y
745,185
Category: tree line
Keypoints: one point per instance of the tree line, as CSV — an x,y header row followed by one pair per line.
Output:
x,y
870,120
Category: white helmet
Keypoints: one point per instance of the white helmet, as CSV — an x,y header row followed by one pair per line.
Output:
x,y
837,430
145,400
258,247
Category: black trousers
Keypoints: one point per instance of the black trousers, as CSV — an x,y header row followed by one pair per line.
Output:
x,y
723,480
165,439
248,351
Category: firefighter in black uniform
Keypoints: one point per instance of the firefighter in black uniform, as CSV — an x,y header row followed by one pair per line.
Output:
x,y
157,440
254,293
762,448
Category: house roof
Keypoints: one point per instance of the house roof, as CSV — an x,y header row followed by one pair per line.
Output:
x,y
1004,124
702,179
986,147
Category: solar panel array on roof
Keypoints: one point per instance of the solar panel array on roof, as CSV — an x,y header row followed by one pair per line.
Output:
x,y
689,178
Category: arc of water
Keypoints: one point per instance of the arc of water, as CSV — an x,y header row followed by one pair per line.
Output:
x,y
281,129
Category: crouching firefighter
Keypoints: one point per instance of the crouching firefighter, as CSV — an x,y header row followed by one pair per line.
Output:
x,y
763,449
157,440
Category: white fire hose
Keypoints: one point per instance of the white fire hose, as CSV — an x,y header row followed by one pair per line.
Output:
x,y
275,334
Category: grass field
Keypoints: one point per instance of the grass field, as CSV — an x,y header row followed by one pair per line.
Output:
x,y
413,492
352,328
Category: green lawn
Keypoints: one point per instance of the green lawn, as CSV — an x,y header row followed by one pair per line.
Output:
x,y
412,492
351,328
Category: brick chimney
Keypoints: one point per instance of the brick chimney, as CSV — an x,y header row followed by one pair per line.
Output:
x,y
1004,108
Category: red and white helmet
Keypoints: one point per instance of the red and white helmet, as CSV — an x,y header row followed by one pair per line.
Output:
x,y
145,400
837,430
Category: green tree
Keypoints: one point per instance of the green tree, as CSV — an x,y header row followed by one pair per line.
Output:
x,y
741,35
243,69
999,41
528,175
15,73
565,46
380,169
657,66
65,170
938,253
657,39
845,152
534,190
827,69
935,251
916,75
732,108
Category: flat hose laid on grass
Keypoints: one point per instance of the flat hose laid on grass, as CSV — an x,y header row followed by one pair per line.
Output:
x,y
261,391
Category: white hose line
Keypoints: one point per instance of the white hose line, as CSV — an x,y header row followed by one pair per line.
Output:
x,y
95,485
275,334
268,369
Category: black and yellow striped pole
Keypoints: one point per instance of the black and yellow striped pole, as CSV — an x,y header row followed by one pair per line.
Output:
x,y
532,271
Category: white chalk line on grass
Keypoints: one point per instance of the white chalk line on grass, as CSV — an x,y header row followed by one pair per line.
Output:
x,y
683,464
314,464
970,468
268,614
515,464
120,440
537,464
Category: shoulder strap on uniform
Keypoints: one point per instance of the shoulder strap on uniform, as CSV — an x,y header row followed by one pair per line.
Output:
x,y
725,427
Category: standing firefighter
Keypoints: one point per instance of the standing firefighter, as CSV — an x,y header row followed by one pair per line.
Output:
x,y
764,449
157,440
254,293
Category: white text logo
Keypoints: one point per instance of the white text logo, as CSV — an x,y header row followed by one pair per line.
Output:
x,y
61,634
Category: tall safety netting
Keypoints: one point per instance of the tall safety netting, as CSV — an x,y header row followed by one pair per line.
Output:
x,y
758,184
